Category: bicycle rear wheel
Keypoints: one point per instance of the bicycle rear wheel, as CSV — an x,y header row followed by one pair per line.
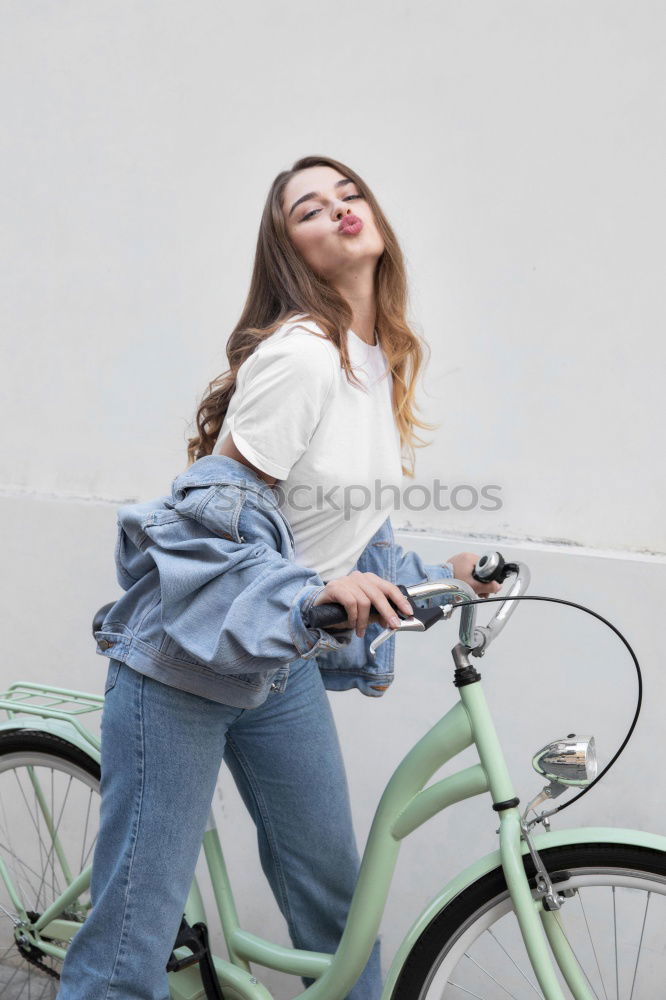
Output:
x,y
49,815
614,920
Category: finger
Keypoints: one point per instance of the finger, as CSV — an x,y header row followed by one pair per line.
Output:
x,y
390,589
392,593
363,618
345,596
363,605
384,608
361,601
400,600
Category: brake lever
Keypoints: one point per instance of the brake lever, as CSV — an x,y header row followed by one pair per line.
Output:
x,y
420,620
491,566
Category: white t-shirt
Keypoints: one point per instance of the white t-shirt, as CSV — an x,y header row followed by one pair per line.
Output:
x,y
333,447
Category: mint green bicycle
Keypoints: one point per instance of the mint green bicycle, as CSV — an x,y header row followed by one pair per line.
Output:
x,y
576,913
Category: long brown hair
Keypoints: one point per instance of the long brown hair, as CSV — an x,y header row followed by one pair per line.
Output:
x,y
284,286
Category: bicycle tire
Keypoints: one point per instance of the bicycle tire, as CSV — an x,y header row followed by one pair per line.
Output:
x,y
68,767
441,965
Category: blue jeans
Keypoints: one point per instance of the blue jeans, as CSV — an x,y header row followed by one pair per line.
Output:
x,y
161,754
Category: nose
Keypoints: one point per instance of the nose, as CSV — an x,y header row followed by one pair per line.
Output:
x,y
341,210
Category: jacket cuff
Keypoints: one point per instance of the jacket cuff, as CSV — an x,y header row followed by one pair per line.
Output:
x,y
309,641
438,571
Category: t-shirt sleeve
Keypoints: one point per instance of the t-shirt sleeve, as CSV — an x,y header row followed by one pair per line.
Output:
x,y
283,392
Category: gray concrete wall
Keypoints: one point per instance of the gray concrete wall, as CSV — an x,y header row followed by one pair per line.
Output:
x,y
518,152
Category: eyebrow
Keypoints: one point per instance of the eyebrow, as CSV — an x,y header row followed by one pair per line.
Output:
x,y
315,194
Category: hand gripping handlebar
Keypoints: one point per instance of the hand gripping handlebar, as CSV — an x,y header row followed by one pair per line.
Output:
x,y
515,577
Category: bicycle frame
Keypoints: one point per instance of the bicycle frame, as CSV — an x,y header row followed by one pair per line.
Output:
x,y
404,806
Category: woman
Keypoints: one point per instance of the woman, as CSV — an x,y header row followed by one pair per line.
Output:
x,y
327,295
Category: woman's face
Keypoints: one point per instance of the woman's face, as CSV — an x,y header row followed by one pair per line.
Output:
x,y
314,202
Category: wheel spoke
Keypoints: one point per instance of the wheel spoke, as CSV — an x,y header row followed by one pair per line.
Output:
x,y
469,993
41,849
485,972
37,830
85,829
567,938
13,977
640,945
617,972
48,819
88,853
7,830
474,947
513,962
25,868
594,950
54,841
12,916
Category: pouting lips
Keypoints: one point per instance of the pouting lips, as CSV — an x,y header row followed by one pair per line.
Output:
x,y
351,224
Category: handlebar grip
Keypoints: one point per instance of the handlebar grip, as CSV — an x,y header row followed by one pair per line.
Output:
x,y
334,613
324,615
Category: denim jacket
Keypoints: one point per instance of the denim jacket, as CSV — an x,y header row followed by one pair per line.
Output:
x,y
214,600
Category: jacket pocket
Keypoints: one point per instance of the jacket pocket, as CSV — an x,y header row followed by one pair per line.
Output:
x,y
242,515
217,508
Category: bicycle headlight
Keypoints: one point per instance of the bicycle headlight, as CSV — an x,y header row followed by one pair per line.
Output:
x,y
571,760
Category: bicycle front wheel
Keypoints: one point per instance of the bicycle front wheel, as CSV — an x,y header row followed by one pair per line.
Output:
x,y
49,817
614,918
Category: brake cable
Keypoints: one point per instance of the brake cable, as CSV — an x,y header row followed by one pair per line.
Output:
x,y
639,677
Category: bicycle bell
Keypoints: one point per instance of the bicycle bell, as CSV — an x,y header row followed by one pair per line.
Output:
x,y
491,566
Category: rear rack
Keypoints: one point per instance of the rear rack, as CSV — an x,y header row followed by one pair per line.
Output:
x,y
23,698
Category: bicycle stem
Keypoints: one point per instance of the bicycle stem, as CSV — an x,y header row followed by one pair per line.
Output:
x,y
476,638
456,588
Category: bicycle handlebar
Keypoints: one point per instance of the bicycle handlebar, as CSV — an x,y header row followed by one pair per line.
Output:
x,y
477,638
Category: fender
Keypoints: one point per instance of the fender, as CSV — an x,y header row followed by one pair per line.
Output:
x,y
54,727
560,838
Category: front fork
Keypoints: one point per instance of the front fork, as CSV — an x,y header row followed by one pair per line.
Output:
x,y
540,928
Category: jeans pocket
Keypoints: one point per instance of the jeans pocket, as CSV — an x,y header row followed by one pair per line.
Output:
x,y
112,675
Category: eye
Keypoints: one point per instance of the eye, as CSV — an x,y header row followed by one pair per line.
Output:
x,y
315,210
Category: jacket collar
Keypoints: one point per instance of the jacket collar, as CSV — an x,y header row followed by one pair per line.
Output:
x,y
220,470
